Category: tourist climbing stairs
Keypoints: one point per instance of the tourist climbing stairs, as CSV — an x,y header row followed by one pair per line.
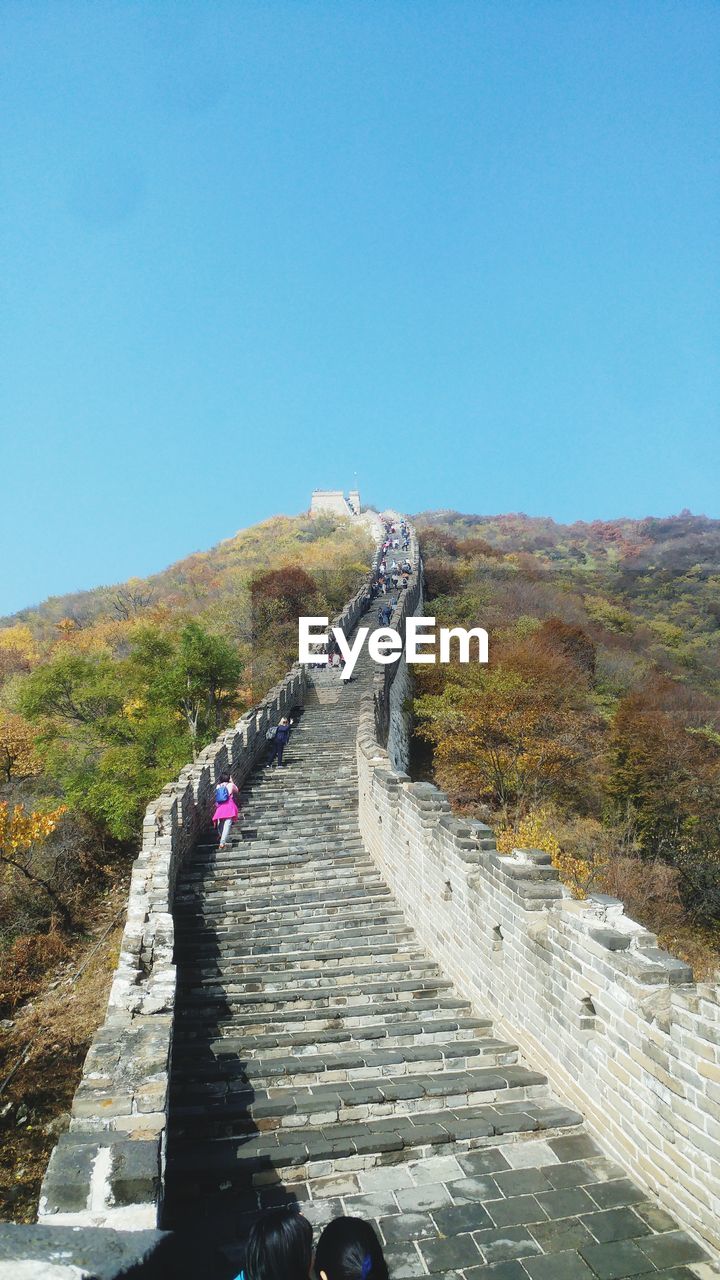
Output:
x,y
321,1058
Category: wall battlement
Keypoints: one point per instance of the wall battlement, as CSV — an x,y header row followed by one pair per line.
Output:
x,y
616,1023
108,1170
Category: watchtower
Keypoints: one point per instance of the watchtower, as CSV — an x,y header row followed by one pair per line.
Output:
x,y
334,502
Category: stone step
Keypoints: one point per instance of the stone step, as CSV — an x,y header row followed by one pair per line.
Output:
x,y
338,900
239,861
289,1155
451,1057
277,817
242,941
249,881
291,842
318,996
358,907
380,1034
299,912
304,787
276,980
250,885
249,847
207,960
227,961
230,918
206,1114
391,1014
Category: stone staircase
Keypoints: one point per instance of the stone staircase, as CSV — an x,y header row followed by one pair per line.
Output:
x,y
320,1057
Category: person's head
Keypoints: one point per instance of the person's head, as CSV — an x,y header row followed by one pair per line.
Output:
x,y
284,720
279,1247
349,1249
225,777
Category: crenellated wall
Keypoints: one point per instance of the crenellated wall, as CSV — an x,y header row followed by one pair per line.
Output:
x,y
107,1171
616,1023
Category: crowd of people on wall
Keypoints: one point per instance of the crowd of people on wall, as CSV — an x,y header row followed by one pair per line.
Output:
x,y
392,575
389,579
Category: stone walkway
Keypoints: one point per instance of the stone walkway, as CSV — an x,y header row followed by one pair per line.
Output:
x,y
322,1059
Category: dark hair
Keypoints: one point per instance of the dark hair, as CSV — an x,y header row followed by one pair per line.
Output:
x,y
349,1249
279,1247
224,777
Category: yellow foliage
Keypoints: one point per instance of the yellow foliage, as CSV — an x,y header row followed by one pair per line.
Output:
x,y
20,830
19,640
18,758
103,636
535,831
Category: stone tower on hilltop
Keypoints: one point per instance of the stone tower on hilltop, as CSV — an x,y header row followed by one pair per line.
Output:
x,y
334,502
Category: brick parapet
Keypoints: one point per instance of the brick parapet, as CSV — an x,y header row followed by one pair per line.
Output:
x,y
119,1111
616,1023
108,1169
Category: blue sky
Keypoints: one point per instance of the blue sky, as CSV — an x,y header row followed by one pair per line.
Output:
x,y
467,250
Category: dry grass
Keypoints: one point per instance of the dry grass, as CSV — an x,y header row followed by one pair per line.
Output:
x,y
58,1025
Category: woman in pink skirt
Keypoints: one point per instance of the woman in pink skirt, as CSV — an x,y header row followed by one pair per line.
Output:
x,y
226,807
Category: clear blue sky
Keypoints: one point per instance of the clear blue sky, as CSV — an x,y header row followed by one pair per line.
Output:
x,y
466,249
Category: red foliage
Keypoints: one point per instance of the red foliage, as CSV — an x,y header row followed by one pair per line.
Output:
x,y
570,640
291,585
471,547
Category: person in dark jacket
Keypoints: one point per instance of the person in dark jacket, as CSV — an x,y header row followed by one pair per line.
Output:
x,y
279,742
349,1249
279,1247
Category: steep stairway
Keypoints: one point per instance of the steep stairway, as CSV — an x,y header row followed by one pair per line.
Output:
x,y
321,1058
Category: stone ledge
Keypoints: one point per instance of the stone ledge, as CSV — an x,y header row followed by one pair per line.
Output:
x,y
49,1253
95,1173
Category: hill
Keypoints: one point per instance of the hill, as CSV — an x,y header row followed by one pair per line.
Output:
x,y
105,694
594,732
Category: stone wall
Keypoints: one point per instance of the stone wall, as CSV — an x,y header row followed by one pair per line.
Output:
x,y
392,686
617,1024
108,1169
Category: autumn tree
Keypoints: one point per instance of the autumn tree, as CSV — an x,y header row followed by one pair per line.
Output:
x,y
570,640
131,599
18,756
514,733
21,834
18,650
665,775
441,578
435,542
652,761
113,732
278,598
290,589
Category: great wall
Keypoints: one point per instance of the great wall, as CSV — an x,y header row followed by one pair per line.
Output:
x,y
362,1007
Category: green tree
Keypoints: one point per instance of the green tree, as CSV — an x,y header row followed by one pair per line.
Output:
x,y
113,732
195,674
